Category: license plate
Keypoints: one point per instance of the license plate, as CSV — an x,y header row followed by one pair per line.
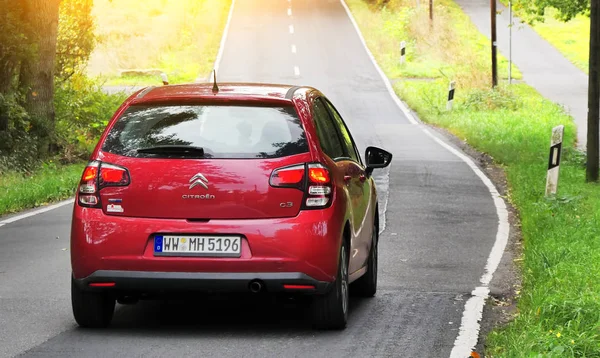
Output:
x,y
215,246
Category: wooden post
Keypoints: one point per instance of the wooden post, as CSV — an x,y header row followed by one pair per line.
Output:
x,y
494,43
593,96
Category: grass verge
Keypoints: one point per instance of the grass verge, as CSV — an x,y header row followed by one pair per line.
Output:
x,y
559,302
49,183
180,38
571,38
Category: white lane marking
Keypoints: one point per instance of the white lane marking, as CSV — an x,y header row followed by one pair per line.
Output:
x,y
290,11
36,212
223,40
296,71
294,49
470,324
291,29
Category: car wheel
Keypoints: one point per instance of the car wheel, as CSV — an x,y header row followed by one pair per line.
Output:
x,y
91,309
366,286
331,310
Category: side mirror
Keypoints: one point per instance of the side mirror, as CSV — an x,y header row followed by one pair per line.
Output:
x,y
377,158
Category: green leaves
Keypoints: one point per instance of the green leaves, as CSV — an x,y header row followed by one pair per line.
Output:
x,y
567,9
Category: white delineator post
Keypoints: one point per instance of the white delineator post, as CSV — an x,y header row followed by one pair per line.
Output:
x,y
165,80
402,52
554,160
450,95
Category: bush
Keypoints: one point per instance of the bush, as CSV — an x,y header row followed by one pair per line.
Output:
x,y
82,112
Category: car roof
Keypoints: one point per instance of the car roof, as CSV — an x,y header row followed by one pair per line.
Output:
x,y
229,92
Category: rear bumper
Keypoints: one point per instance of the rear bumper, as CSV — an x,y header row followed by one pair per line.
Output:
x,y
306,244
145,282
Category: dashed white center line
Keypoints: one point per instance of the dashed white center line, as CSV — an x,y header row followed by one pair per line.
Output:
x,y
289,11
291,29
293,48
296,70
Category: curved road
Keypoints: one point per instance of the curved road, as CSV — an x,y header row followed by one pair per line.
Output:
x,y
441,226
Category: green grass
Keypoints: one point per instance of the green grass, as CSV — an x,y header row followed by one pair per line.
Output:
x,y
180,38
559,304
47,184
571,38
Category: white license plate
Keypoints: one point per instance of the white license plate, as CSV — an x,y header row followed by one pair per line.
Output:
x,y
187,245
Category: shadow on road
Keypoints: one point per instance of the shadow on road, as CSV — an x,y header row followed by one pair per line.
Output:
x,y
218,315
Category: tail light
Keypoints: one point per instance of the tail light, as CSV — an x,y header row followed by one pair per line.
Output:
x,y
96,176
313,179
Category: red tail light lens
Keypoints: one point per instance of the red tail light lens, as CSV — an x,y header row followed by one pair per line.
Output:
x,y
112,175
90,173
288,177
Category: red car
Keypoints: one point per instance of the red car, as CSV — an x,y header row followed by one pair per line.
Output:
x,y
235,188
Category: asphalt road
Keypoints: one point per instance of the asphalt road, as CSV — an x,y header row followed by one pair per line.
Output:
x,y
441,225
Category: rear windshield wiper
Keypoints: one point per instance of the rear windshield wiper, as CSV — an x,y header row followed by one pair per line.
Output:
x,y
178,150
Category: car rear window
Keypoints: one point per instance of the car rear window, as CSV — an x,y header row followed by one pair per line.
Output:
x,y
222,131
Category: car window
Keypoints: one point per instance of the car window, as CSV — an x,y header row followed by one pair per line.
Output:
x,y
348,142
326,131
222,131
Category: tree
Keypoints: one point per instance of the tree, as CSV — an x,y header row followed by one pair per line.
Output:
x,y
568,9
37,72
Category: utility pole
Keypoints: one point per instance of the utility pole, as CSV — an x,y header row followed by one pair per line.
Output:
x,y
510,26
593,95
494,49
430,11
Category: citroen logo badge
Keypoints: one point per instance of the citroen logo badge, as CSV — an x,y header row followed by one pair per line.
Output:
x,y
199,179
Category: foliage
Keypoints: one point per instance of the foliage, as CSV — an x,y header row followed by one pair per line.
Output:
x,y
83,110
567,9
76,38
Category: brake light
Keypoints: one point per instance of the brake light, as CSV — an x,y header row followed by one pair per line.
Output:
x,y
288,177
112,175
96,176
318,175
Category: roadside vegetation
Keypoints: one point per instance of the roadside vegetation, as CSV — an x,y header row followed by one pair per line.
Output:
x,y
571,38
52,104
559,302
180,38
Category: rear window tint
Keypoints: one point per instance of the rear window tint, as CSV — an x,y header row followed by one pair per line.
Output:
x,y
222,131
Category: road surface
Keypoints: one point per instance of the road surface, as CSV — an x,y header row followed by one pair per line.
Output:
x,y
441,224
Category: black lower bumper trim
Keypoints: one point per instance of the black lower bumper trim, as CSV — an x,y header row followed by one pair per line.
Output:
x,y
156,282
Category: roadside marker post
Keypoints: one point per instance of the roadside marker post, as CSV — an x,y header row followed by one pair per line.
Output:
x,y
165,80
554,160
450,95
402,52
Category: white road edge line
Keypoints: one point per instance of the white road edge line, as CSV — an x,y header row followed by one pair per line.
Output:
x,y
470,324
290,11
223,40
36,212
291,29
294,49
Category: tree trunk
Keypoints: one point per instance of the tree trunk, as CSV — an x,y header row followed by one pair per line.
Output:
x,y
37,72
593,95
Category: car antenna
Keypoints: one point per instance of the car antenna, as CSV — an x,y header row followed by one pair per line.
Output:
x,y
215,86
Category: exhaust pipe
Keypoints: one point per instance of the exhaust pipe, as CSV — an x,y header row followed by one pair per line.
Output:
x,y
255,286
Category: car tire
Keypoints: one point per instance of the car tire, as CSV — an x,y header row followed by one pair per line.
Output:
x,y
330,311
91,309
366,286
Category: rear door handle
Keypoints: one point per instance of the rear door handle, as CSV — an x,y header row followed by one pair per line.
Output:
x,y
347,178
363,178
